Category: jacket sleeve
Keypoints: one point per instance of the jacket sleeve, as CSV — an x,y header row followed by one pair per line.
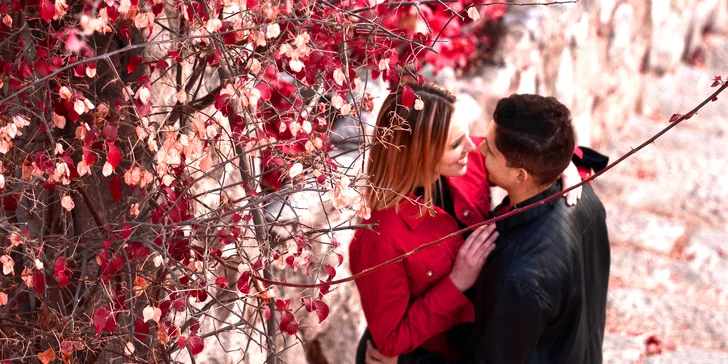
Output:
x,y
514,316
398,323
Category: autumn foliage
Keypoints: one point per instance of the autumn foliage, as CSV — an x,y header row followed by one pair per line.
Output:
x,y
141,141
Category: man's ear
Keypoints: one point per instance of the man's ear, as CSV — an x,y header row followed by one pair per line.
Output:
x,y
522,176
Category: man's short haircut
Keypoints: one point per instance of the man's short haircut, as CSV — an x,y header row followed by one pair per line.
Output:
x,y
535,133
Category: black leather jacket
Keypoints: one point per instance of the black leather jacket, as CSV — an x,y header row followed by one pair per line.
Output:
x,y
542,295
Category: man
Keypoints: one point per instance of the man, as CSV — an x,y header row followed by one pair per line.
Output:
x,y
541,297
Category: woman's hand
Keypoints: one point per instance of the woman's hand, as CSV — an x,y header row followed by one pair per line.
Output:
x,y
375,357
472,255
569,178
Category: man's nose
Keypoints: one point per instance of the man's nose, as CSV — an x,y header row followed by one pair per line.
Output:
x,y
469,146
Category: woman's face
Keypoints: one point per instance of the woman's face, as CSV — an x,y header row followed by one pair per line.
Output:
x,y
454,162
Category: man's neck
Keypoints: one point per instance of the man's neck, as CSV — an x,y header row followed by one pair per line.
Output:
x,y
518,195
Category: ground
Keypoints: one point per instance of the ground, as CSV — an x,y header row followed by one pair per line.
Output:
x,y
667,216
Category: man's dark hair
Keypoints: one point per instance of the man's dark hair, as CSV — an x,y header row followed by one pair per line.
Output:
x,y
535,133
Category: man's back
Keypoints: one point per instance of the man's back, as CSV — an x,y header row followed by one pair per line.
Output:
x,y
541,298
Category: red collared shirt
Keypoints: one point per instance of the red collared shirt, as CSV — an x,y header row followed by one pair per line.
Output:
x,y
412,303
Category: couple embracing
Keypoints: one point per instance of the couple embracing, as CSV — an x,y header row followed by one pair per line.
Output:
x,y
531,288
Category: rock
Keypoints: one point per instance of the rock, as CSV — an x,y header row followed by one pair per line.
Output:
x,y
623,23
668,42
718,55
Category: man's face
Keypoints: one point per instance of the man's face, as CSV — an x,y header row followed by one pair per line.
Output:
x,y
499,173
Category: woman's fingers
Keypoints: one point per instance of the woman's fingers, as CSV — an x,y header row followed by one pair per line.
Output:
x,y
371,357
486,248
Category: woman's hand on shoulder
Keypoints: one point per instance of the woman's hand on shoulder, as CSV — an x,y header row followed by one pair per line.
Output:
x,y
570,177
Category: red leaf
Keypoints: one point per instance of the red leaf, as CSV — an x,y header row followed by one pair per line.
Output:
x,y
141,329
38,281
258,264
194,326
179,304
322,310
340,257
104,319
715,98
113,13
408,96
115,188
162,65
331,271
114,155
716,81
47,10
283,304
265,91
675,117
134,62
222,282
157,8
110,133
288,323
59,268
196,344
243,283
182,341
308,303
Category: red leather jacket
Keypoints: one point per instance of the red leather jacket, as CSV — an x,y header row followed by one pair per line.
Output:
x,y
412,303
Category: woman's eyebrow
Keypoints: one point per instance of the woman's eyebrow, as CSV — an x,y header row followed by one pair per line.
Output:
x,y
458,141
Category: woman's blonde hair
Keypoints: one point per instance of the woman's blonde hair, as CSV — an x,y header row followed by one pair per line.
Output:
x,y
408,145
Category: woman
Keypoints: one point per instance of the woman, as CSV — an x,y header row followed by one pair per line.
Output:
x,y
422,193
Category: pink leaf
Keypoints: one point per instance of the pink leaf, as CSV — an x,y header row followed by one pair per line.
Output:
x,y
408,96
196,344
267,313
114,155
115,188
675,117
134,62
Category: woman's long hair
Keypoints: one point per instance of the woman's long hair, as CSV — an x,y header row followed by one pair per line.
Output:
x,y
408,145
